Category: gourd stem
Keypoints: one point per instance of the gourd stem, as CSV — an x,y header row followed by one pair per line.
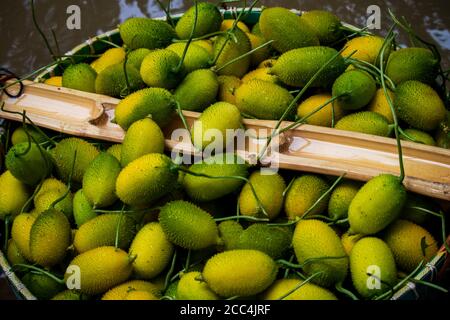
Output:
x,y
299,285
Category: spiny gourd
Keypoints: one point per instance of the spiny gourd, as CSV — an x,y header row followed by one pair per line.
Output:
x,y
367,48
379,104
418,136
109,58
261,54
100,269
64,156
50,191
20,233
303,193
152,249
198,90
69,295
298,66
140,295
367,122
376,205
142,137
274,241
112,81
99,180
411,244
287,29
227,24
191,288
340,199
20,135
155,102
412,64
260,74
13,254
307,291
13,195
209,20
314,239
355,89
274,103
372,267
82,209
50,236
324,116
419,105
29,163
229,232
226,49
79,76
269,189
349,240
241,273
101,231
146,33
41,286
325,25
216,126
160,69
206,44
227,87
196,58
146,179
188,226
136,57
115,150
121,291
222,166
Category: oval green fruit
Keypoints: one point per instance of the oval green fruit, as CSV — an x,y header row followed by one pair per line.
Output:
x,y
13,195
146,33
79,76
196,57
82,209
113,82
209,20
191,288
355,88
159,69
367,122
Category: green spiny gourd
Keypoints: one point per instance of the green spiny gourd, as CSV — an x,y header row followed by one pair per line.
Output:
x,y
100,269
73,295
196,58
79,76
209,20
226,49
29,163
412,64
99,180
191,287
323,117
143,137
136,57
411,244
13,195
349,240
261,54
159,69
227,87
204,189
355,89
380,104
367,122
274,241
241,273
115,150
314,239
121,291
152,259
188,226
146,179
261,74
276,99
64,156
340,199
366,48
101,231
109,58
41,286
50,191
325,25
298,66
269,188
198,90
303,193
287,29
155,102
20,135
146,33
229,232
419,105
308,291
372,267
418,136
20,233
50,236
13,254
216,126
82,209
377,204
112,81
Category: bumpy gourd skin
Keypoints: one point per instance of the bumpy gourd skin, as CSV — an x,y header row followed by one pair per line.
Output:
x,y
21,231
146,33
367,122
209,20
79,76
340,199
380,104
190,288
355,89
159,69
112,81
121,291
52,190
13,195
196,58
367,48
418,136
326,26
307,291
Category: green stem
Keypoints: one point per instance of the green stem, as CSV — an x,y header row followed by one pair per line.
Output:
x,y
307,261
47,44
286,272
241,217
69,183
346,292
116,240
112,44
429,284
7,222
206,36
127,80
188,260
289,186
299,285
36,191
41,271
186,47
167,12
171,270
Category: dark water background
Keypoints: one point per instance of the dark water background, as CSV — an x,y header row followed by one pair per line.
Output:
x,y
22,50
